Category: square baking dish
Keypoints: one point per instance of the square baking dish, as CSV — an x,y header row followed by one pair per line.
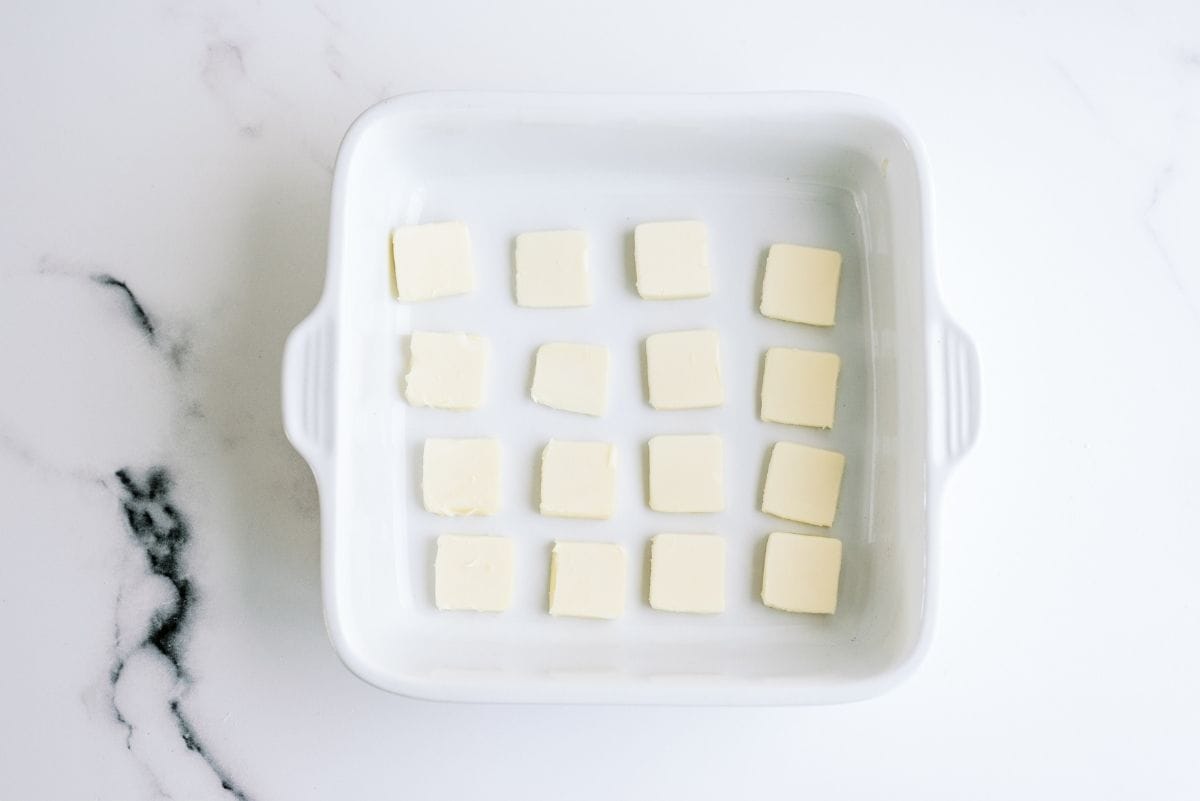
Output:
x,y
829,170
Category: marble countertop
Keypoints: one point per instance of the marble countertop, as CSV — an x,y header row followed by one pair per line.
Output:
x,y
165,175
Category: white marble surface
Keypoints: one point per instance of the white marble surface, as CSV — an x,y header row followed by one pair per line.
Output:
x,y
184,149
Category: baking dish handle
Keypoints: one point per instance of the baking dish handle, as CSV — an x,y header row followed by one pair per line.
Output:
x,y
956,377
308,373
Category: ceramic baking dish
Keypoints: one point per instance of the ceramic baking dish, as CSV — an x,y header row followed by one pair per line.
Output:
x,y
821,169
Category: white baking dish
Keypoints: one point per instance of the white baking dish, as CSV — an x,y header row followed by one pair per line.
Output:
x,y
822,169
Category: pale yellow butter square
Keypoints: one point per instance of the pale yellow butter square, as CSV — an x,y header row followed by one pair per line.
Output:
x,y
432,260
461,477
446,370
803,483
473,573
683,370
551,269
800,387
579,479
587,579
801,572
571,377
671,260
687,573
801,284
687,473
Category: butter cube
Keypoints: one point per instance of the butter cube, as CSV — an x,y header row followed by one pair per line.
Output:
x,y
461,477
571,377
579,479
684,370
800,573
587,579
800,284
671,259
687,573
432,260
687,473
551,269
800,387
473,573
803,483
446,371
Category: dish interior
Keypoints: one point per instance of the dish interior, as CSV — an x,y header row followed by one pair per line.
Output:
x,y
833,176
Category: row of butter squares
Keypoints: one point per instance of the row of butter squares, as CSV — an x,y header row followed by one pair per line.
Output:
x,y
687,574
433,260
461,477
799,387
